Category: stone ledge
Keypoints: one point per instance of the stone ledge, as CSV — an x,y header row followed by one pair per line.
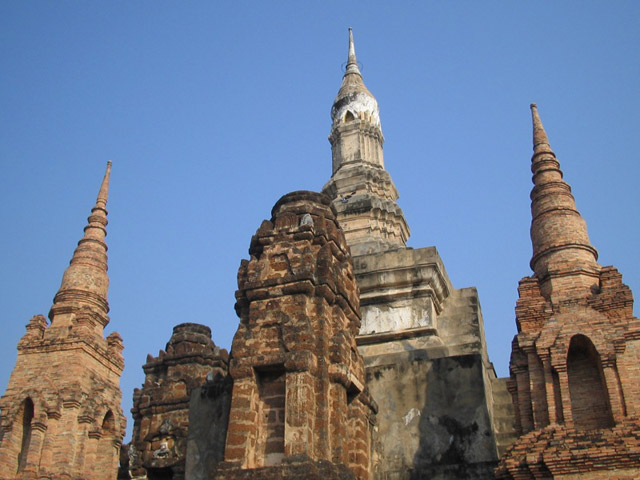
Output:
x,y
374,338
291,468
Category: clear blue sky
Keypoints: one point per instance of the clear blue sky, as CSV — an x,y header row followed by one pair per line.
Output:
x,y
210,111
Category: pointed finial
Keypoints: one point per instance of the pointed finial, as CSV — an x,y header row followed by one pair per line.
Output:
x,y
103,194
540,139
85,282
352,62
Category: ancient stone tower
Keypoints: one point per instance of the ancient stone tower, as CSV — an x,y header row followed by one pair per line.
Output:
x,y
576,357
442,411
300,408
161,408
363,190
61,414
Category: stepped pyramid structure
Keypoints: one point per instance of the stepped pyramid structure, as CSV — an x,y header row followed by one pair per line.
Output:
x,y
576,357
61,414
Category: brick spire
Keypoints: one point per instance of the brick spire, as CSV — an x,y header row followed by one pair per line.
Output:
x,y
85,282
561,246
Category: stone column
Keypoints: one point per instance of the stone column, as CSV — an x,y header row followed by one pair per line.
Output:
x,y
84,423
241,433
108,463
48,445
512,388
91,450
360,438
9,451
338,423
524,398
537,388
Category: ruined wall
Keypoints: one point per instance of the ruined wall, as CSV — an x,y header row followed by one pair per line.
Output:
x,y
68,425
160,410
574,370
299,394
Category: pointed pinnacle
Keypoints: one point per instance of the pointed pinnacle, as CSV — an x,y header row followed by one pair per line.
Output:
x,y
103,194
85,281
352,62
540,139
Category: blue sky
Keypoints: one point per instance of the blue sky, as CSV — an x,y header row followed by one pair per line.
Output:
x,y
210,111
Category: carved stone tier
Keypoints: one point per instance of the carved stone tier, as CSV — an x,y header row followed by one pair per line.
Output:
x,y
401,290
365,197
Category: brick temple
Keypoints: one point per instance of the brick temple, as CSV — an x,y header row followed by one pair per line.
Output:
x,y
355,356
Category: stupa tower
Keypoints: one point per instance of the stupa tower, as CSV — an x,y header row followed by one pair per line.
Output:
x,y
422,340
574,363
362,190
61,414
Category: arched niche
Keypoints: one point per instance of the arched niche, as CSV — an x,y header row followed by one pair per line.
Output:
x,y
26,415
106,452
108,424
349,117
590,405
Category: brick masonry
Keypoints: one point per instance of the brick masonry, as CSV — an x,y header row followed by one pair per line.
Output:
x,y
293,400
161,408
575,360
299,394
61,414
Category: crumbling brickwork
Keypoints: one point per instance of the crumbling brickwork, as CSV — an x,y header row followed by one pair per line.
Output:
x,y
294,399
574,363
299,394
161,408
61,414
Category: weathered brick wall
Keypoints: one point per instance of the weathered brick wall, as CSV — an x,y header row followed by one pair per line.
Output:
x,y
161,408
299,393
61,415
575,360
69,434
